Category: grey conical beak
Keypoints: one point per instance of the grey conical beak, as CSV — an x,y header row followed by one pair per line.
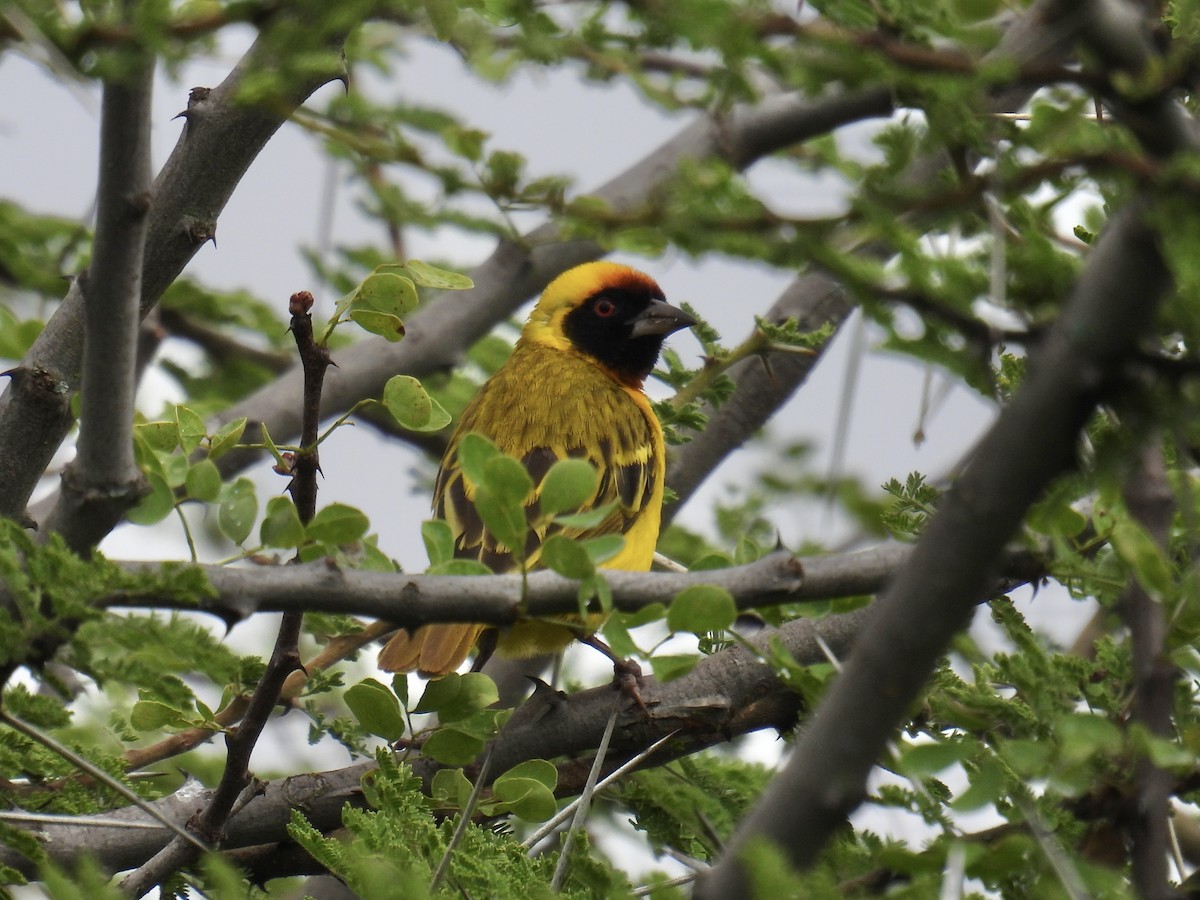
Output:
x,y
659,318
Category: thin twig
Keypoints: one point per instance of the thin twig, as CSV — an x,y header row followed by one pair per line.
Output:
x,y
563,814
464,822
36,734
585,798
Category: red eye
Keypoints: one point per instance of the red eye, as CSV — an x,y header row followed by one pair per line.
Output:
x,y
604,308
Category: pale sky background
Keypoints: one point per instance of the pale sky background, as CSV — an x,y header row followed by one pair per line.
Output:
x,y
48,144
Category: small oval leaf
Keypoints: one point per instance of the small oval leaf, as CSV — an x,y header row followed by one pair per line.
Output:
x,y
338,523
226,437
156,505
376,708
203,481
281,526
701,608
237,510
566,557
568,485
439,279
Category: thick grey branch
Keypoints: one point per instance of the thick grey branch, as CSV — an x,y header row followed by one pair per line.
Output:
x,y
104,481
934,594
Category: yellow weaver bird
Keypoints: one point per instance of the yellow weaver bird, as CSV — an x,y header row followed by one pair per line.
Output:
x,y
572,388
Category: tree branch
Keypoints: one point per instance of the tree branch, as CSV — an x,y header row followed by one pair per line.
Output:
x,y
104,481
413,600
237,786
1151,503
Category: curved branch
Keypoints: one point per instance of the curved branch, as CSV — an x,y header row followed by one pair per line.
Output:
x,y
438,333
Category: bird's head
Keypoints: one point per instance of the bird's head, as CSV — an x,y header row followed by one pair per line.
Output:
x,y
616,315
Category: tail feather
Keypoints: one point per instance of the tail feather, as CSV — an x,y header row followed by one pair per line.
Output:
x,y
431,650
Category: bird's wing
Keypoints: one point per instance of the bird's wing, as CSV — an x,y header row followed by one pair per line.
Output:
x,y
600,423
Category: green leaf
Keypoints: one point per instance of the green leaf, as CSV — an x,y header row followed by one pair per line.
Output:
x,y
439,541
238,509
411,406
987,783
438,693
671,666
585,520
281,526
400,687
443,14
542,771
701,608
474,451
604,547
507,480
455,696
373,559
1139,551
151,715
162,436
1055,518
1084,737
226,437
438,279
526,798
174,468
156,505
452,748
383,324
644,616
923,760
376,708
618,638
386,292
203,481
566,557
568,485
338,523
451,788
191,428
504,519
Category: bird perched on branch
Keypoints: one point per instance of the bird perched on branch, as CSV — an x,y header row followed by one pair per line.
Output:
x,y
572,388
